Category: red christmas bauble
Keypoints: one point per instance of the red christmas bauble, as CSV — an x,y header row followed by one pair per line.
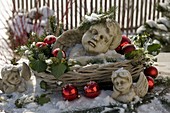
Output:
x,y
40,44
50,39
55,52
128,48
125,41
151,83
69,92
151,71
91,89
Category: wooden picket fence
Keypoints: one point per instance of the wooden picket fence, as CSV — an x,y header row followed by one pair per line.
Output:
x,y
130,14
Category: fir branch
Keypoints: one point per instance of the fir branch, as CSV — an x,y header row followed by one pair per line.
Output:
x,y
111,59
85,25
163,81
95,61
52,22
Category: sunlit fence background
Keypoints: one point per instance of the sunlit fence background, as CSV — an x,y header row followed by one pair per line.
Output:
x,y
130,14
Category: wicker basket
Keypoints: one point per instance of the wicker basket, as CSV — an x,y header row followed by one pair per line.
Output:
x,y
101,73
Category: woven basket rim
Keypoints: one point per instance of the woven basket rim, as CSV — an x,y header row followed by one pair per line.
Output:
x,y
100,73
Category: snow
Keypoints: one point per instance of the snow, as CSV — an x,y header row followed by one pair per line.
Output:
x,y
151,23
165,21
162,27
93,17
154,107
46,12
141,29
24,22
165,5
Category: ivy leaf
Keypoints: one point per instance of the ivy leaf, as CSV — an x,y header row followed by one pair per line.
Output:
x,y
154,48
18,104
42,99
38,65
41,56
43,85
59,55
58,70
134,54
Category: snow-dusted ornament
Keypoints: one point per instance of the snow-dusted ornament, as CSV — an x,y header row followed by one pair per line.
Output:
x,y
124,90
14,78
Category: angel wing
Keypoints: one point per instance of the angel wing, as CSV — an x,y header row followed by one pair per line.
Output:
x,y
141,87
68,39
26,72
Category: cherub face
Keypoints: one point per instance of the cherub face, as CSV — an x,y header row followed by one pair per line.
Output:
x,y
97,39
121,84
14,78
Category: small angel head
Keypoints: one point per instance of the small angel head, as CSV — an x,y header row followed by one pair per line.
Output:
x,y
122,80
101,37
14,77
11,75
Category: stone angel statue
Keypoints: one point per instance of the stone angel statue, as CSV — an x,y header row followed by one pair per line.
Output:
x,y
85,43
14,78
124,90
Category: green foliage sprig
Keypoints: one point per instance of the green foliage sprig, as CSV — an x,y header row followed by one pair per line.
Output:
x,y
146,41
41,58
146,48
101,18
41,100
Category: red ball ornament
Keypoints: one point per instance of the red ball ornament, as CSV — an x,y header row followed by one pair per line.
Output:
x,y
50,39
151,83
91,89
151,71
69,92
128,48
55,52
125,41
40,44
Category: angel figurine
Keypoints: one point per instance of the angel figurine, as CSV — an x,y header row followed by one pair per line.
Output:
x,y
124,90
14,78
93,42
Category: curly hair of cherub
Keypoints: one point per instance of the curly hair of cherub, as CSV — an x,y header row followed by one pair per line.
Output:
x,y
5,72
126,75
115,32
